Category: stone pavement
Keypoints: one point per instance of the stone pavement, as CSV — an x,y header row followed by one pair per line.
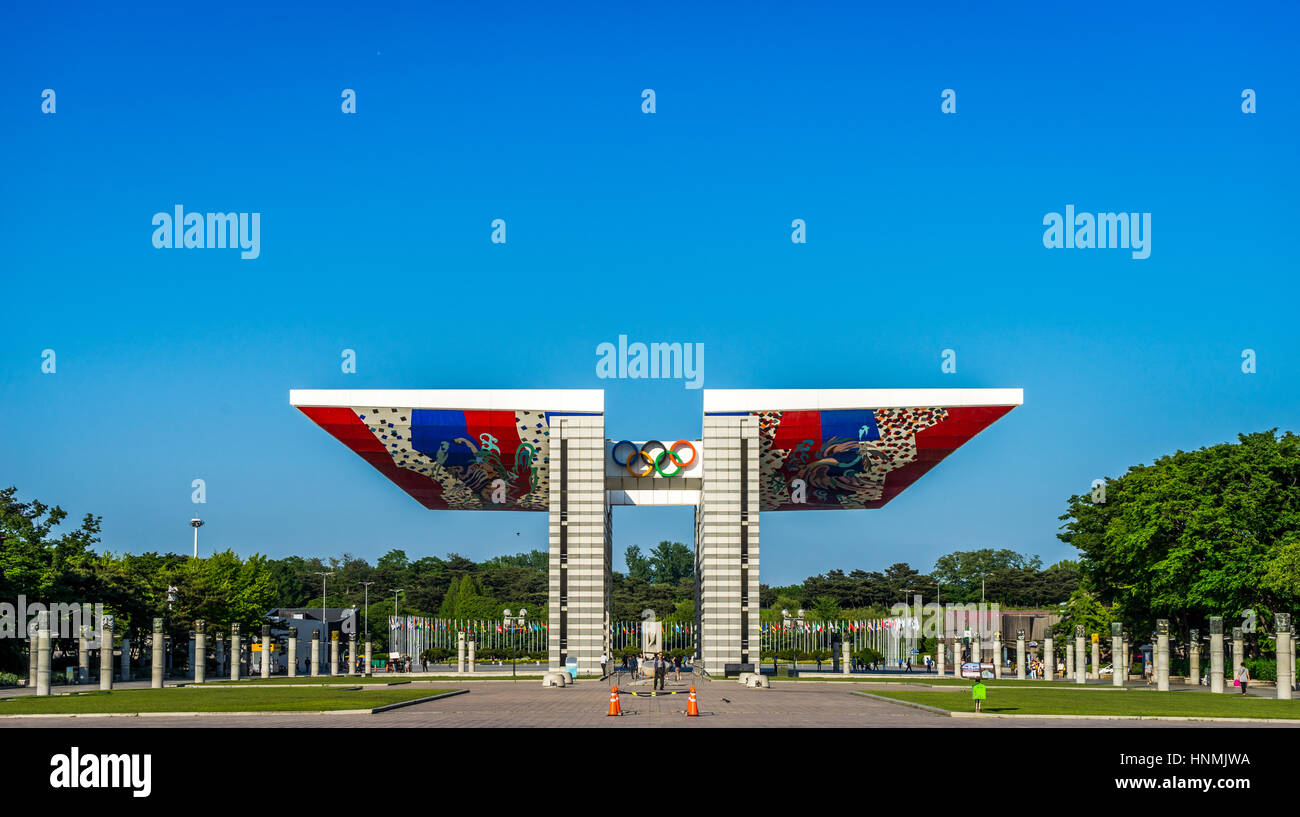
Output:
x,y
528,704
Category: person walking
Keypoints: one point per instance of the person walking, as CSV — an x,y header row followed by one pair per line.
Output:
x,y
1241,678
677,667
661,671
604,664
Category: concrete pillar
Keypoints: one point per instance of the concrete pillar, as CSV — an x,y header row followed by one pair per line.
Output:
x,y
1096,656
1194,658
938,657
156,664
1080,656
33,654
1128,655
44,657
1162,654
846,668
1049,659
1116,654
472,648
1020,654
1238,649
997,654
352,655
292,655
954,649
334,653
368,670
106,653
1069,661
236,649
1216,653
83,653
315,653
1285,672
460,652
200,651
266,651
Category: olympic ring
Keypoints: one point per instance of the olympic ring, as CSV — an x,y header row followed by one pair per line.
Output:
x,y
641,456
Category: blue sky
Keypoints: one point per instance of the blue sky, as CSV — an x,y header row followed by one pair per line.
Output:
x,y
924,233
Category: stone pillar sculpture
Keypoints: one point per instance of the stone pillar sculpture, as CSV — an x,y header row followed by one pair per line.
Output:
x,y
315,653
460,652
266,651
1117,654
293,652
1194,658
1216,653
1020,655
200,651
1285,672
44,656
236,650
1162,654
1049,659
157,664
1080,656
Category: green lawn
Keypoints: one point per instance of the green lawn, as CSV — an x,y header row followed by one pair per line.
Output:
x,y
934,680
328,680
211,700
1082,702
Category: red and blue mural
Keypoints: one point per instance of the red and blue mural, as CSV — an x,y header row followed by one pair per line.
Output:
x,y
857,458
451,458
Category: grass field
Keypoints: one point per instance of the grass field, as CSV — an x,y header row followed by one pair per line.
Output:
x,y
330,680
211,700
1082,702
935,680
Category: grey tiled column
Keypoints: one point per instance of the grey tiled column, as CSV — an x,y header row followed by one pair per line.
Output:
x,y
726,543
580,543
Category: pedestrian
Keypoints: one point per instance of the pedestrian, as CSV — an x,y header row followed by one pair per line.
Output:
x,y
677,667
633,660
978,692
661,671
1242,678
604,664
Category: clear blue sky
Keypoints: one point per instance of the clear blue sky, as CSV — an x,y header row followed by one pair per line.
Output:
x,y
924,233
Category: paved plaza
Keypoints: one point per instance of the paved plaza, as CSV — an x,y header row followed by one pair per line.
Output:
x,y
528,704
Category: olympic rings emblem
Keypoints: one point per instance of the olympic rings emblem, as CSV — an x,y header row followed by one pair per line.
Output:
x,y
638,457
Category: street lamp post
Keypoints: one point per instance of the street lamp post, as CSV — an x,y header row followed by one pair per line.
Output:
x,y
367,621
514,625
395,592
324,575
196,523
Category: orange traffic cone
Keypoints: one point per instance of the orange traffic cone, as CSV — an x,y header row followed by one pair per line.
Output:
x,y
691,707
614,708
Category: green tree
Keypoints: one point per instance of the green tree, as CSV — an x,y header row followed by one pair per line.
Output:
x,y
1195,534
638,566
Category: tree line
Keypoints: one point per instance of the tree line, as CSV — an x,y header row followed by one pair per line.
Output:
x,y
1209,532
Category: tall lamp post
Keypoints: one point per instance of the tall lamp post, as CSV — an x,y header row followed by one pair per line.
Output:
x,y
367,624
395,592
324,575
514,625
196,523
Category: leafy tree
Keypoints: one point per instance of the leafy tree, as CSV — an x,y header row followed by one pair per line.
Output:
x,y
1195,534
638,566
